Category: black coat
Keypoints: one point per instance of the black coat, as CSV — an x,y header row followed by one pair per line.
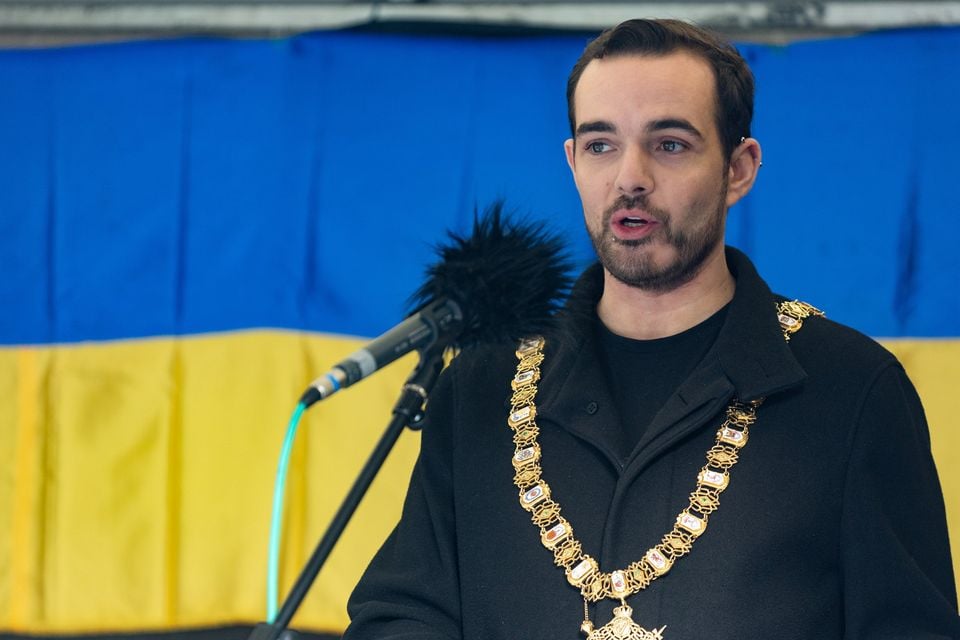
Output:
x,y
832,526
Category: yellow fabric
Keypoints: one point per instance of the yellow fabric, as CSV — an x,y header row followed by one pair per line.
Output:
x,y
137,480
934,368
136,477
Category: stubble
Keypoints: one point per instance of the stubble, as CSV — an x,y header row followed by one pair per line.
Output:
x,y
628,262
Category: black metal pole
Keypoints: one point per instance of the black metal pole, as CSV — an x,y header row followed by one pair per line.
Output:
x,y
406,412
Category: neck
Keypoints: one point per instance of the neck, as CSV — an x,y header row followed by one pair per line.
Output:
x,y
646,315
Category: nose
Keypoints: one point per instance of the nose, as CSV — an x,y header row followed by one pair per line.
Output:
x,y
633,175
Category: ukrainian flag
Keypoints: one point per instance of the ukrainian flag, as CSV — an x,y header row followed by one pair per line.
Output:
x,y
191,230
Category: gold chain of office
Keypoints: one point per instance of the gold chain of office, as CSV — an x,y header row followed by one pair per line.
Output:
x,y
556,533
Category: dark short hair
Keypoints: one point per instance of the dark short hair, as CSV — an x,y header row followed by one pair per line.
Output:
x,y
732,76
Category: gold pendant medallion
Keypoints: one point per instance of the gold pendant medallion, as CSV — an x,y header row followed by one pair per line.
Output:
x,y
622,627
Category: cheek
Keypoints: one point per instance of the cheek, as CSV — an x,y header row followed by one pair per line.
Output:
x,y
592,185
594,200
583,187
709,191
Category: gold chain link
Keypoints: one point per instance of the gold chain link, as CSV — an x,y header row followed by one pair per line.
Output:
x,y
556,533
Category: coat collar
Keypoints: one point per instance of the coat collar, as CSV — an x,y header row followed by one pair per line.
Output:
x,y
750,359
751,346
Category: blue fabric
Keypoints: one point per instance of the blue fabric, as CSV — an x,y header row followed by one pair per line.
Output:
x,y
856,206
188,186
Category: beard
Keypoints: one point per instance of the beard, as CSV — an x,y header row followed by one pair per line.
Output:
x,y
628,263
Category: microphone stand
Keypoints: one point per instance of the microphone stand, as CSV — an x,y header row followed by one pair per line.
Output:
x,y
407,412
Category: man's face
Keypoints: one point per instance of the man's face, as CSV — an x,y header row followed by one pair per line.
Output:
x,y
648,163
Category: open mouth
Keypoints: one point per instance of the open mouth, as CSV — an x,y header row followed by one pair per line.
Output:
x,y
634,221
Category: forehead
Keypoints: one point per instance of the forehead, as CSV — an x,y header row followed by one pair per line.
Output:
x,y
645,87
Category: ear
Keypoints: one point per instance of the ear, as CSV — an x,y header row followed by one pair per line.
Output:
x,y
571,158
745,162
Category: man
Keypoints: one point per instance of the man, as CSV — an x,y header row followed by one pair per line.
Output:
x,y
687,456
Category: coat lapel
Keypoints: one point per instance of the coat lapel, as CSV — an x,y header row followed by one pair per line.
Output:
x,y
749,360
579,398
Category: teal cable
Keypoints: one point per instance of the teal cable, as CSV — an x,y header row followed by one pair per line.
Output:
x,y
276,521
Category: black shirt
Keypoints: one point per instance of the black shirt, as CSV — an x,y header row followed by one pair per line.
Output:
x,y
643,374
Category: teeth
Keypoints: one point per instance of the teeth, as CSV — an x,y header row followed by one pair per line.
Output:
x,y
633,222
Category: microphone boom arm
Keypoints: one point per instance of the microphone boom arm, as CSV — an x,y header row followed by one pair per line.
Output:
x,y
407,412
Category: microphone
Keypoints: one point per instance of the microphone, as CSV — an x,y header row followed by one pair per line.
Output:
x,y
443,319
503,282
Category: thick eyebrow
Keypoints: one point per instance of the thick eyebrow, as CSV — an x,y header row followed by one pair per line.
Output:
x,y
674,123
603,126
597,126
